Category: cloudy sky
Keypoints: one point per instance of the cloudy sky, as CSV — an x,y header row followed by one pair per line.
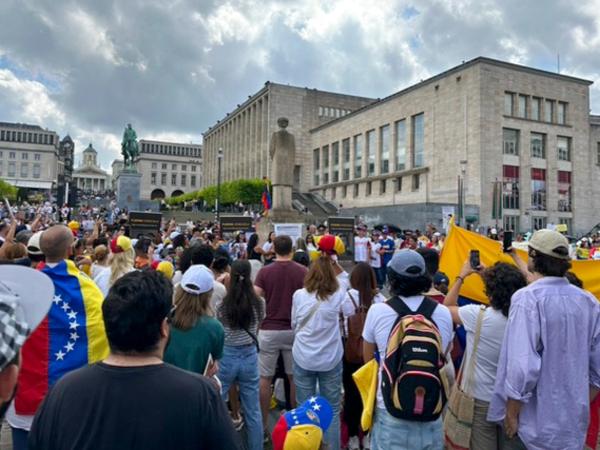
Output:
x,y
173,67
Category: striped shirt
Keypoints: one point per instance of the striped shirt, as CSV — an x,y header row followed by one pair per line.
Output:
x,y
237,337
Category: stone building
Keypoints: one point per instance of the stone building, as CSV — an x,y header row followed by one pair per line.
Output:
x,y
116,167
29,157
89,176
168,168
526,130
245,132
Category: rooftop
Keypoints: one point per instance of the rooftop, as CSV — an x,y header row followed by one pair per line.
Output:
x,y
21,126
187,144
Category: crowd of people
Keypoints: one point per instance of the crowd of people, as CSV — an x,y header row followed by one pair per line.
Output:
x,y
176,339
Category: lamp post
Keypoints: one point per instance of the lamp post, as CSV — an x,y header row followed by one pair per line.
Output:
x,y
461,192
218,208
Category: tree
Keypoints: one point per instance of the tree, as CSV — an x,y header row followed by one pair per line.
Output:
x,y
8,190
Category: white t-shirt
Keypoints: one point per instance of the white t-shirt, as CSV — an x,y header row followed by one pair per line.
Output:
x,y
349,308
317,345
381,318
488,350
360,249
344,280
375,259
102,279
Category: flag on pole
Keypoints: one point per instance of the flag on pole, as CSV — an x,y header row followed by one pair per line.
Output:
x,y
266,197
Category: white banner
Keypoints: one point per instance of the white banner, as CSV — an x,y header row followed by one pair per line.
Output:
x,y
293,230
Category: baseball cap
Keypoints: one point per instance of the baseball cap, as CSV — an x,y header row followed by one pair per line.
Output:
x,y
550,243
332,245
408,263
440,278
166,268
197,280
73,225
33,245
120,244
303,428
25,298
174,234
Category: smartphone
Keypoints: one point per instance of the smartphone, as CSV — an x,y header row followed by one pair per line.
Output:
x,y
474,259
507,241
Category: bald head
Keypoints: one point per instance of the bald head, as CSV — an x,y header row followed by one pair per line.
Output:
x,y
56,242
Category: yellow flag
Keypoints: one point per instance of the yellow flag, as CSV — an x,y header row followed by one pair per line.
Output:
x,y
366,379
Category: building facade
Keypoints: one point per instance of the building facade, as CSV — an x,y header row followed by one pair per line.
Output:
x,y
89,176
116,167
497,125
29,156
169,168
244,134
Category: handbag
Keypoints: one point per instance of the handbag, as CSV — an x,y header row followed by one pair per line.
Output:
x,y
458,419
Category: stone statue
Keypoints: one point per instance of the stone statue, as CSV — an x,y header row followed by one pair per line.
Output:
x,y
282,150
129,147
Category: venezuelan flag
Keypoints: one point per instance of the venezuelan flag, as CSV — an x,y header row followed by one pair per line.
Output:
x,y
460,242
70,337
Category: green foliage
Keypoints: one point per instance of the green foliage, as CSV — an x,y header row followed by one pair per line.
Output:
x,y
246,191
8,190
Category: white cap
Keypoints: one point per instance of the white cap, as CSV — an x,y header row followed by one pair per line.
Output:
x,y
197,280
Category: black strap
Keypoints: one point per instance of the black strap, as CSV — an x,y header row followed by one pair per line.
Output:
x,y
254,338
426,308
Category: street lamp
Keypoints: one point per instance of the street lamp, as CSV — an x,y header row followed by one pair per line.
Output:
x,y
218,209
461,191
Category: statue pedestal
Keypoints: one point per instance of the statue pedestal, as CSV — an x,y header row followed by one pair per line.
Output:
x,y
282,198
128,190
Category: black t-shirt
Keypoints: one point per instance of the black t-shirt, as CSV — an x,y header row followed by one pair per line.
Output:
x,y
105,407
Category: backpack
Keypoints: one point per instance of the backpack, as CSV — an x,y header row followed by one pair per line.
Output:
x,y
412,383
353,347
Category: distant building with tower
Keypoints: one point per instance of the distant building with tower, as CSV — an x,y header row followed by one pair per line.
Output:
x,y
89,176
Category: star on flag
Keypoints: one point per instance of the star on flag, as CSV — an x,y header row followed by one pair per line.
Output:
x,y
60,355
73,325
57,299
65,307
74,336
72,315
70,346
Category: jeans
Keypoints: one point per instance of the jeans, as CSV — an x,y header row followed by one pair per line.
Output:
x,y
380,275
390,433
19,439
329,387
240,364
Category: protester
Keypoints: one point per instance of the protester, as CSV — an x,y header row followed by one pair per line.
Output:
x,y
241,312
553,335
71,336
196,337
254,256
101,261
362,244
268,250
388,248
501,281
375,258
121,263
359,298
143,402
34,252
276,283
408,280
203,255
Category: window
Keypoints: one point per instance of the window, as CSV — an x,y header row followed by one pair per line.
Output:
x,y
508,104
193,180
154,165
163,179
37,157
384,137
344,191
548,110
1,167
369,188
320,111
511,223
510,141
45,139
561,113
538,145
2,135
564,191
193,168
25,155
184,167
11,169
183,179
418,133
173,166
399,184
522,106
24,170
37,170
401,145
538,189
563,145
29,138
153,178
316,164
356,188
416,182
18,136
335,155
173,179
539,223
333,193
12,155
325,158
164,166
346,159
371,152
536,103
510,187
35,139
358,155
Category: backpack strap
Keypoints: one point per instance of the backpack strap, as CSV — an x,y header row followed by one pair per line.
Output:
x,y
427,308
398,305
353,301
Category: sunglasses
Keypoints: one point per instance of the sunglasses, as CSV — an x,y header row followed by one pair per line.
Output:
x,y
171,314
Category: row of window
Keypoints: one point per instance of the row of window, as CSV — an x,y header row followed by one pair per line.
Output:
x,y
415,184
537,143
184,167
163,179
26,137
537,223
535,108
11,170
174,150
326,111
511,189
24,155
384,147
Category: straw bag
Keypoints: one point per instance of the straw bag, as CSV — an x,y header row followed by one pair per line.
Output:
x,y
458,419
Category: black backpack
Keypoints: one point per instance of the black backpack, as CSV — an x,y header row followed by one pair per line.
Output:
x,y
412,386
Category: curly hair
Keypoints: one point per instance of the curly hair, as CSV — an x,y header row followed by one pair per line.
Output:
x,y
501,281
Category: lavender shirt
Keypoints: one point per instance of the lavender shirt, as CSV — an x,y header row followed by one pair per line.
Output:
x,y
549,358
